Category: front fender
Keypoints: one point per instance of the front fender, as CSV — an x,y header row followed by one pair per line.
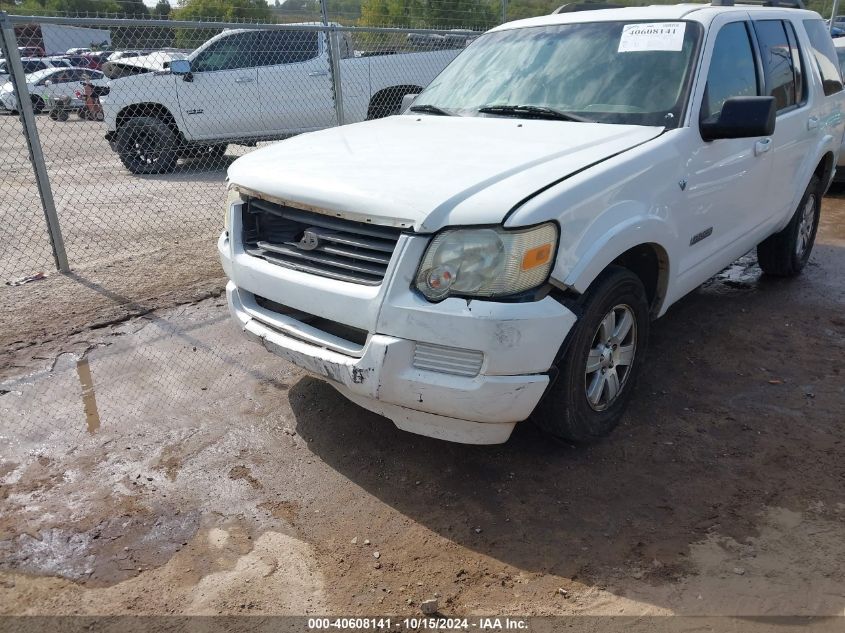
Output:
x,y
597,249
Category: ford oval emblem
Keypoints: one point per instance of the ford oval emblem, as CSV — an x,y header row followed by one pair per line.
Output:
x,y
309,240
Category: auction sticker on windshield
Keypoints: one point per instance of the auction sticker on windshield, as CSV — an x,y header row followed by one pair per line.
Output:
x,y
652,36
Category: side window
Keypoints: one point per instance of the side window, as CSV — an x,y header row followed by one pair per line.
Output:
x,y
228,53
732,73
782,81
287,47
825,55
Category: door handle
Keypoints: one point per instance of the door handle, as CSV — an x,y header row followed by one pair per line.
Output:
x,y
813,123
762,146
318,73
244,80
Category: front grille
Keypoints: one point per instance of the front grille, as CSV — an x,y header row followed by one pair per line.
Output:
x,y
318,244
447,360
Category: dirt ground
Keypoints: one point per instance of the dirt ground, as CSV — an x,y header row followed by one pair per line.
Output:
x,y
158,464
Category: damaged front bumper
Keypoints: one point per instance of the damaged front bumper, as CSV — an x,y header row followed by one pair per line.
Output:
x,y
476,410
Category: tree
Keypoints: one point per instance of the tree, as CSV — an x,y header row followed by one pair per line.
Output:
x,y
66,7
224,10
216,11
162,10
477,14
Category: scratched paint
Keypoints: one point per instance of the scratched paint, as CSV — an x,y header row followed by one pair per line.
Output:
x,y
89,401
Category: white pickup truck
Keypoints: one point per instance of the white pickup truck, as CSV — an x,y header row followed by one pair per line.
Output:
x,y
248,85
498,251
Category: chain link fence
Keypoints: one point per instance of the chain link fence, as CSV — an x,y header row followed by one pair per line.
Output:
x,y
136,141
115,138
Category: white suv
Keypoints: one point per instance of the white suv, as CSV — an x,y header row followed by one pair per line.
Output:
x,y
498,251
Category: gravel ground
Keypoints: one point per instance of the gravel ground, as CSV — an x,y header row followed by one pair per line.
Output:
x,y
106,213
158,464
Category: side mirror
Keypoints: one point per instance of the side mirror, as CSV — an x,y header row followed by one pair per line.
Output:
x,y
742,117
181,67
49,82
407,100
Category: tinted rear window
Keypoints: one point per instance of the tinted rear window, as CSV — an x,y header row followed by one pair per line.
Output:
x,y
825,55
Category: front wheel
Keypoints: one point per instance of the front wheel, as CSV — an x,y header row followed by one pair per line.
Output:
x,y
599,368
37,104
785,254
147,145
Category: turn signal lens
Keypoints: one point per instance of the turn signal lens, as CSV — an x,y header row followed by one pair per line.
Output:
x,y
536,256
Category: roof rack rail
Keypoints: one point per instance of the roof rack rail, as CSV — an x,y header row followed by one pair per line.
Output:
x,y
782,4
588,5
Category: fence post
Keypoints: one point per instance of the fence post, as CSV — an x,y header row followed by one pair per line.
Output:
x,y
833,13
36,155
504,11
334,61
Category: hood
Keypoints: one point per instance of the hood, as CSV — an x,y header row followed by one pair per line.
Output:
x,y
141,64
430,171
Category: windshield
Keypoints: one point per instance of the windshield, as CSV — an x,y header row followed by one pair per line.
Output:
x,y
610,72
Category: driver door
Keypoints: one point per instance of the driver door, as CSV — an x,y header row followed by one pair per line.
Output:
x,y
219,98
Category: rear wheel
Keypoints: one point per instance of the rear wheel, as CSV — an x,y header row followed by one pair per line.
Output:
x,y
785,254
599,368
147,145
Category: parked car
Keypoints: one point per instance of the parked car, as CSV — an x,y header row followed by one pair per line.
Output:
x,y
95,60
30,51
839,43
114,56
150,62
499,251
48,84
77,51
243,86
32,65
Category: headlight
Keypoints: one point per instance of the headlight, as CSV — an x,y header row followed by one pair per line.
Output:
x,y
233,198
488,262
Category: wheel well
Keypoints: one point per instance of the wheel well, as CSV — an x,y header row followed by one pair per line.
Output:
x,y
384,100
824,169
147,109
650,263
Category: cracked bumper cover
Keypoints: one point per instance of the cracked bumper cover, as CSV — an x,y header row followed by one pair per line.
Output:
x,y
478,410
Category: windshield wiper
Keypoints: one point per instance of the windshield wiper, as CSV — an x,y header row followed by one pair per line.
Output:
x,y
429,109
534,112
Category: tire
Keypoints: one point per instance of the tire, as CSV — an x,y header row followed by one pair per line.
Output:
x,y
580,405
147,145
62,115
37,105
785,254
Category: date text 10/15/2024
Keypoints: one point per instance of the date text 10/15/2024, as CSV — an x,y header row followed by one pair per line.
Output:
x,y
414,624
